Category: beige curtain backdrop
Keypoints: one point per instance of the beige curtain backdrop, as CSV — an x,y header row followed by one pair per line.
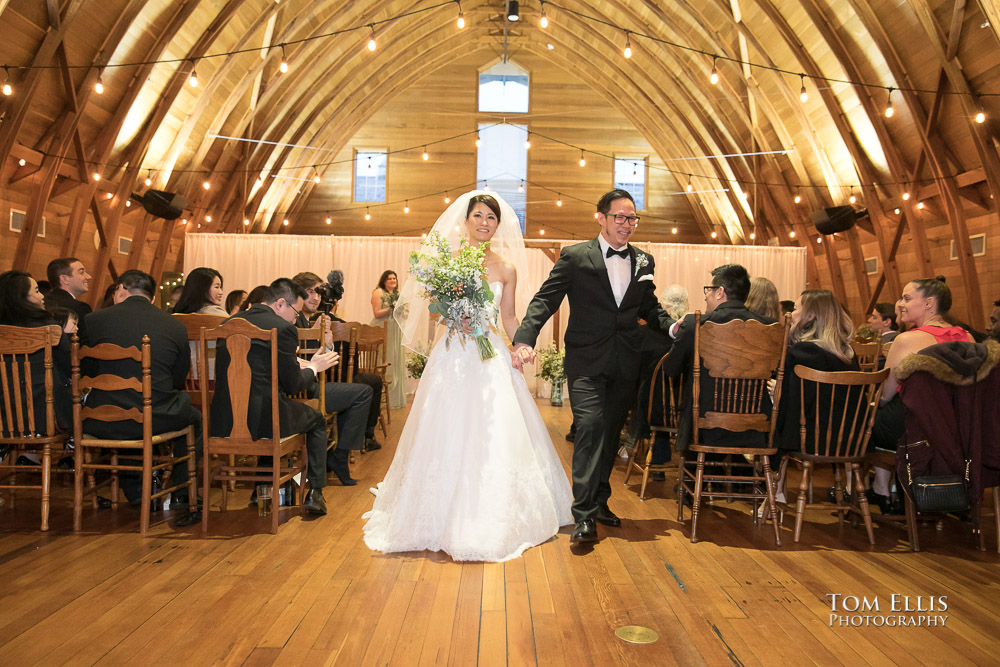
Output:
x,y
246,261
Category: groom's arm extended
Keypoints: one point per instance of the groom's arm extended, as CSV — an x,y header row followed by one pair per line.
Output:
x,y
545,302
650,308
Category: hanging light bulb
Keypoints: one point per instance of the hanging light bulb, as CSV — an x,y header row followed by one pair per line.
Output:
x,y
715,235
149,178
283,67
461,16
980,117
852,198
690,185
583,160
541,232
906,196
628,46
920,205
889,111
673,230
96,176
803,95
206,184
791,234
316,179
896,211
371,42
819,239
544,21
798,198
21,162
406,207
425,155
193,79
128,203
520,188
753,236
208,218
559,200
478,142
527,140
110,195
285,222
99,86
329,220
246,222
8,90
713,78
368,215
447,198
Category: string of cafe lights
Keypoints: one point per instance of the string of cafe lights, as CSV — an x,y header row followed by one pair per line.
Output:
x,y
7,89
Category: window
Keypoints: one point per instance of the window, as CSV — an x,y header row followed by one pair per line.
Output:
x,y
17,223
502,164
503,87
630,175
369,176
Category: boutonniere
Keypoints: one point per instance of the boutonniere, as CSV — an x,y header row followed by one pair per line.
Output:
x,y
641,261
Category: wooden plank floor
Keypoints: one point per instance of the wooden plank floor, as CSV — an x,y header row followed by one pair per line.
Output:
x,y
314,594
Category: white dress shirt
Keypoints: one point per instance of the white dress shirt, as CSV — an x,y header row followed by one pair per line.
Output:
x,y
619,270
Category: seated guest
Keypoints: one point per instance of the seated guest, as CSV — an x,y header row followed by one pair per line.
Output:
x,y
787,307
202,294
820,338
69,280
311,312
44,286
995,321
256,295
924,307
724,302
22,305
279,310
763,299
655,344
234,301
883,320
125,323
108,299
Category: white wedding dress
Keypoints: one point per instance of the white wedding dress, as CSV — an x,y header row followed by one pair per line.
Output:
x,y
475,473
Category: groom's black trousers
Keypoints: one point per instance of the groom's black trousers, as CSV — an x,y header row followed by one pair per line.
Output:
x,y
600,404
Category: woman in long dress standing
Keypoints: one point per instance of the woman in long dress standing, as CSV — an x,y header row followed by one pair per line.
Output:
x,y
384,298
475,473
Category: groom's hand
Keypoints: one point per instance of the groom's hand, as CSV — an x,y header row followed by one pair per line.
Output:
x,y
523,353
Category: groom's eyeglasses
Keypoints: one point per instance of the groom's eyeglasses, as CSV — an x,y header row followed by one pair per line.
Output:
x,y
630,220
709,288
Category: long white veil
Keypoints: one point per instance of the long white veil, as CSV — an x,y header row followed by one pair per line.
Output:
x,y
411,312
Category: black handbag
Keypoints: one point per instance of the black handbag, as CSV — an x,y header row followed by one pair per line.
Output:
x,y
937,493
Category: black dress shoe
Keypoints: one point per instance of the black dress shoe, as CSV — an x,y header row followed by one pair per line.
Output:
x,y
371,444
607,517
340,467
585,532
315,502
189,519
658,476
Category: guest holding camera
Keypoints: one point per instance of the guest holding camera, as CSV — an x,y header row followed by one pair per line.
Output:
x,y
384,299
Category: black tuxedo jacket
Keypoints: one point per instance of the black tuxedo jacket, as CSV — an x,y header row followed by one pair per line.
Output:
x,y
170,358
292,415
601,336
681,360
63,299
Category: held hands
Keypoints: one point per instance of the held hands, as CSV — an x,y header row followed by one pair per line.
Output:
x,y
522,354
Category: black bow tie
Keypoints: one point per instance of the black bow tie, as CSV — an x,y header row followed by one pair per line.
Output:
x,y
623,253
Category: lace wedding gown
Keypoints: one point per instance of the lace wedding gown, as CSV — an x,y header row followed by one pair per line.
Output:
x,y
475,473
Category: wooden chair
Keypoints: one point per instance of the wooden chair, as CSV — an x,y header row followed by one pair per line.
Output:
x,y
867,354
667,413
25,356
194,323
371,345
842,418
740,357
345,339
310,341
238,335
151,460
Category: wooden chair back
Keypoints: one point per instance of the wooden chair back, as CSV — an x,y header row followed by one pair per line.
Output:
x,y
82,384
843,412
667,409
371,342
194,323
740,357
19,428
237,335
345,339
17,375
867,354
310,342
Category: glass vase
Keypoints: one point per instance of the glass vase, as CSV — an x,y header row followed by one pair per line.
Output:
x,y
556,397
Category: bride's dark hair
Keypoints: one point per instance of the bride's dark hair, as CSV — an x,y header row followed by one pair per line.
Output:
x,y
490,202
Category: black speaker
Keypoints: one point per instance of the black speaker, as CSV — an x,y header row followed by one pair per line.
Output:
x,y
166,205
834,219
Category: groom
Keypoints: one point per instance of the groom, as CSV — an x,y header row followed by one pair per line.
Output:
x,y
610,286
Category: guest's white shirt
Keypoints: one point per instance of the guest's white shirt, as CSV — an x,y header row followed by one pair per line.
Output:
x,y
619,269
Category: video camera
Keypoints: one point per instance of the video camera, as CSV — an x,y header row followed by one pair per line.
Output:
x,y
331,292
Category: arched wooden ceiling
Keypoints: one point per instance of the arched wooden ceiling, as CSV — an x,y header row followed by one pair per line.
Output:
x,y
150,122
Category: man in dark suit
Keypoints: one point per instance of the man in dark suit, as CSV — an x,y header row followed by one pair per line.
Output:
x,y
132,317
723,303
279,310
610,286
69,279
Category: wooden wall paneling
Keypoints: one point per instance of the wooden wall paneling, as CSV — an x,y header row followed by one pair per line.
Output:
x,y
857,258
785,202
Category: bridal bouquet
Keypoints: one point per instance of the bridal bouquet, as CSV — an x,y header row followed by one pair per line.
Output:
x,y
457,288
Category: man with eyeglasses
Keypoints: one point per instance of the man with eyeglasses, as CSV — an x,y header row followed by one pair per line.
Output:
x,y
280,309
609,285
724,302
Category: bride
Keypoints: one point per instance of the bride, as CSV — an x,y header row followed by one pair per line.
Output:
x,y
475,473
